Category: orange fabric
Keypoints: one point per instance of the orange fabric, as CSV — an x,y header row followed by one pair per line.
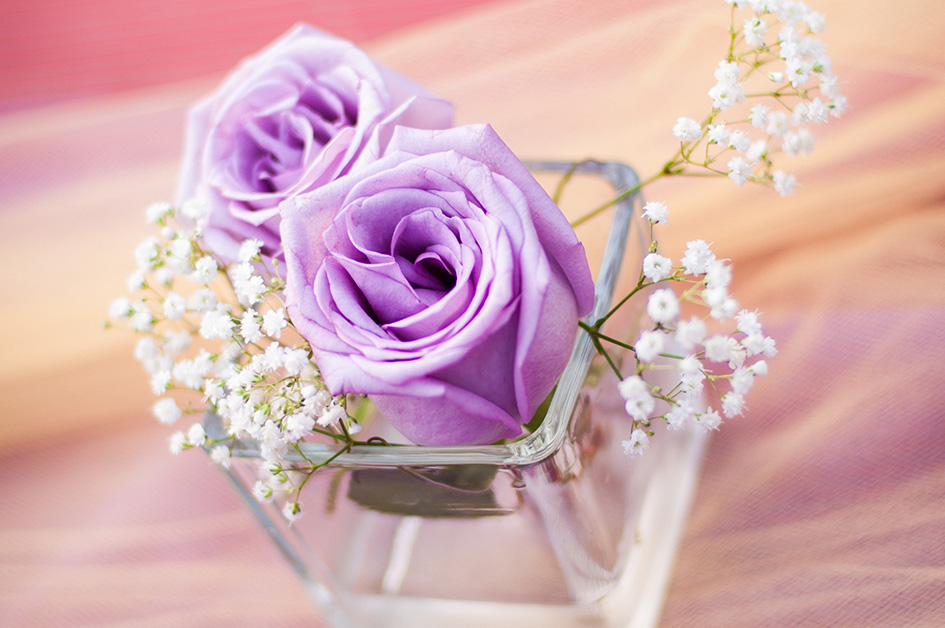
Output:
x,y
824,506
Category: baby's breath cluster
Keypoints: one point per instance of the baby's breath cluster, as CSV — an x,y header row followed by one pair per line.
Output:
x,y
721,345
215,338
773,85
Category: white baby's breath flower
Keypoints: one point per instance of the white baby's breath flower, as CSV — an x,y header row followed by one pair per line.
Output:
x,y
656,212
250,326
292,511
217,324
739,140
656,267
155,212
160,381
141,317
120,308
709,420
638,400
697,257
195,209
298,425
205,270
687,130
759,368
754,30
649,345
274,322
691,333
146,254
663,306
718,134
783,183
296,360
739,170
262,492
732,404
249,250
203,300
332,415
174,305
221,456
196,435
166,410
759,116
176,342
636,444
177,442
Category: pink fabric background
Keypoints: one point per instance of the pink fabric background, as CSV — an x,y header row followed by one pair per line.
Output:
x,y
824,506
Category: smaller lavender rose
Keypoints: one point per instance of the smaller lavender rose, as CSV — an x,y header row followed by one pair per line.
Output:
x,y
293,117
442,281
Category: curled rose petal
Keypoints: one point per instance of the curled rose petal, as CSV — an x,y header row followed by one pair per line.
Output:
x,y
293,117
442,281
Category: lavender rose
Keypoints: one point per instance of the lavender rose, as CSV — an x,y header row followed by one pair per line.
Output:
x,y
442,281
293,117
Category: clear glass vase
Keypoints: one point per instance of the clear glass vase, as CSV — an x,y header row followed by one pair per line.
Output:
x,y
558,528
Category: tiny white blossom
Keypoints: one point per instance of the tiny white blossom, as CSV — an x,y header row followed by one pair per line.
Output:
x,y
146,349
196,435
249,250
177,442
739,140
742,380
141,318
203,300
739,170
725,95
783,183
155,212
274,322
656,267
656,212
195,209
636,394
718,274
759,116
160,381
649,345
292,511
205,270
262,492
178,256
709,420
146,254
732,404
251,290
298,425
747,322
274,356
718,134
250,326
757,151
221,456
176,342
795,142
166,410
296,360
754,29
697,257
727,72
759,368
174,306
679,416
687,130
636,444
663,306
690,333
217,324
717,348
120,308
778,123
332,414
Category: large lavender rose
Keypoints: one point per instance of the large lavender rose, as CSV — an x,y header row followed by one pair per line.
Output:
x,y
289,119
442,281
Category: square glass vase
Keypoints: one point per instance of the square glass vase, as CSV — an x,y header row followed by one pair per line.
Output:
x,y
557,528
